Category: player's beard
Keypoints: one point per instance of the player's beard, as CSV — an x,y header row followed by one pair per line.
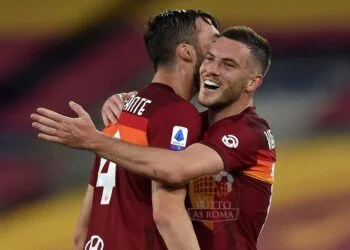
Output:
x,y
226,98
196,75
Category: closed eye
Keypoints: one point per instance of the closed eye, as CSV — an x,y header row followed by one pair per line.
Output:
x,y
209,58
229,65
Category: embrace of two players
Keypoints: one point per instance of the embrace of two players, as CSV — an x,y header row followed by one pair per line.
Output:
x,y
165,176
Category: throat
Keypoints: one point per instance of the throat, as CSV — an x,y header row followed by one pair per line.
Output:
x,y
221,112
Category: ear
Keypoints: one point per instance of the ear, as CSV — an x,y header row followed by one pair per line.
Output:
x,y
185,52
254,83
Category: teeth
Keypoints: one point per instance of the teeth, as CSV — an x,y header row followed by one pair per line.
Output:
x,y
210,83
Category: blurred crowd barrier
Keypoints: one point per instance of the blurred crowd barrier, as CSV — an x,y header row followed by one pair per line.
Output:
x,y
55,51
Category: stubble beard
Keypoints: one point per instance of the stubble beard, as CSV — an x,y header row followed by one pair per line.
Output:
x,y
223,100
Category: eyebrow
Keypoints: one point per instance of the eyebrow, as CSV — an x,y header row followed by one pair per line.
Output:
x,y
231,61
226,59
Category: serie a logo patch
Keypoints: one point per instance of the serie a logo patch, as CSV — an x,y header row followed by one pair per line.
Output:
x,y
178,138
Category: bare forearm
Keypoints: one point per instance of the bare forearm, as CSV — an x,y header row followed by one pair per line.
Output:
x,y
179,234
81,230
79,239
174,168
171,217
155,163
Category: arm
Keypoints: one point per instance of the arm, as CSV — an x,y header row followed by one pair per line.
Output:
x,y
171,218
181,166
83,221
81,133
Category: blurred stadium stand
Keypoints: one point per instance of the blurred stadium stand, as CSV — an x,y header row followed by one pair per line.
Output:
x,y
56,51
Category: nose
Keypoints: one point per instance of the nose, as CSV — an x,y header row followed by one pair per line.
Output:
x,y
212,68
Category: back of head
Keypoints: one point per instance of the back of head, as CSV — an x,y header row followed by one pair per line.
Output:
x,y
259,46
168,29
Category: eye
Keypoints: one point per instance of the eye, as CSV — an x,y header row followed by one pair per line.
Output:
x,y
229,65
209,58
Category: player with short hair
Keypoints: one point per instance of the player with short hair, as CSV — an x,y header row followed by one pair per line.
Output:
x,y
121,207
231,170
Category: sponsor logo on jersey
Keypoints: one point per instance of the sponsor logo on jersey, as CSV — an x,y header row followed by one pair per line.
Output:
x,y
211,199
95,243
178,138
230,141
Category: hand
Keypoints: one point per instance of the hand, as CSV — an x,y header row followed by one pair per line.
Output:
x,y
76,132
113,106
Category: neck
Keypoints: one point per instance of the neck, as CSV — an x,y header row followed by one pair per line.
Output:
x,y
178,79
216,114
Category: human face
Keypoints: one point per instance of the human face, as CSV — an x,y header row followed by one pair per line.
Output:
x,y
225,73
206,35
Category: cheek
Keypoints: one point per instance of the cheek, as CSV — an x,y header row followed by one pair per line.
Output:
x,y
202,68
232,86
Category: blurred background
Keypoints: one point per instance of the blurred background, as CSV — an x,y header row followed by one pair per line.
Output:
x,y
52,52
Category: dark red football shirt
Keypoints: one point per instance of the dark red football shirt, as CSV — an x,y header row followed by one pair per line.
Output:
x,y
229,208
121,216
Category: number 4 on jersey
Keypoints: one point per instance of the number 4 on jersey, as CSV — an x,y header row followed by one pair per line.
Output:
x,y
107,180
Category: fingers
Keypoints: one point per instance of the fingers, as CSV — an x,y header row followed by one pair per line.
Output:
x,y
51,114
115,104
129,94
111,116
126,96
104,118
117,100
50,138
44,120
78,109
44,129
111,109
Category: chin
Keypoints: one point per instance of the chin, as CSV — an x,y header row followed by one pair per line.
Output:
x,y
205,102
200,100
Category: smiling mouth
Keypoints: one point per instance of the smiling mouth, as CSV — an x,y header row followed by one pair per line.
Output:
x,y
208,84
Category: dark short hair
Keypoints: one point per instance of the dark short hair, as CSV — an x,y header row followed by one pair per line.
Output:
x,y
258,45
165,31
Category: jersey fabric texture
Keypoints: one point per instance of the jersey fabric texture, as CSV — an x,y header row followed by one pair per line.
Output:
x,y
121,214
229,208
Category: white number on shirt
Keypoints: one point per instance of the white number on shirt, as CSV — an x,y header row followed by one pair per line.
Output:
x,y
107,180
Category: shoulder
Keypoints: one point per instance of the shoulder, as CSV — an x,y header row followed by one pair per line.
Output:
x,y
247,132
240,140
177,110
177,123
184,107
259,128
162,99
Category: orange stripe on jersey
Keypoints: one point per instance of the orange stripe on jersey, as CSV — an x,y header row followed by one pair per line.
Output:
x,y
263,170
134,121
111,129
133,135
127,133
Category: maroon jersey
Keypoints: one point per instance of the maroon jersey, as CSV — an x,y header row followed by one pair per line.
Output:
x,y
229,208
121,216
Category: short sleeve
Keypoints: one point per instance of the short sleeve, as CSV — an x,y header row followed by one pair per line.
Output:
x,y
175,126
238,146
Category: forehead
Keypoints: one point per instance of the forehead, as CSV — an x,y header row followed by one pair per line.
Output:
x,y
227,48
